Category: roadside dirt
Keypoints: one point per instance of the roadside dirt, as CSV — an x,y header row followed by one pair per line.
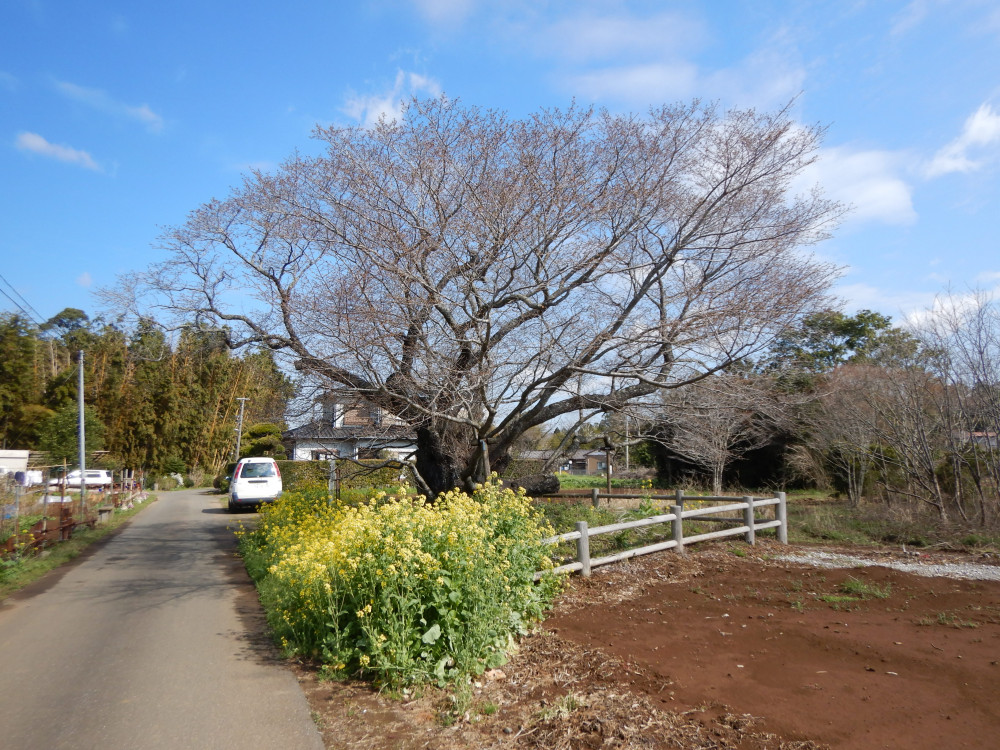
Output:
x,y
723,647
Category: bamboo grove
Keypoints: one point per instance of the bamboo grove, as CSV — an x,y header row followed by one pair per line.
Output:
x,y
164,405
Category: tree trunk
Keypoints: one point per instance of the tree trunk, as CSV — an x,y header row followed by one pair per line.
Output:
x,y
438,467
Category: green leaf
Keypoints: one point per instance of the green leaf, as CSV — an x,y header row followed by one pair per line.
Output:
x,y
432,634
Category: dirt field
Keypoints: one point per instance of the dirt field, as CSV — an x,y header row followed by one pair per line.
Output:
x,y
722,647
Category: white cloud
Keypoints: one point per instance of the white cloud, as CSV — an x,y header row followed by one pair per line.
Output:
x,y
589,37
948,304
36,144
978,143
988,277
102,101
369,109
909,17
766,79
867,297
84,279
647,60
868,180
444,12
638,83
992,22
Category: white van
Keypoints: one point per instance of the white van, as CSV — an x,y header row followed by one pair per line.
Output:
x,y
92,478
255,481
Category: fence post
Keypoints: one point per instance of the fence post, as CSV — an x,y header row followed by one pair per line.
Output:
x,y
678,527
781,513
594,492
751,536
679,498
583,547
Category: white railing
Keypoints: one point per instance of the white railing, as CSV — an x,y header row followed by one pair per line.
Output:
x,y
747,526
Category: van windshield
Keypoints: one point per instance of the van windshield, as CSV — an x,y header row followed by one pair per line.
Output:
x,y
251,471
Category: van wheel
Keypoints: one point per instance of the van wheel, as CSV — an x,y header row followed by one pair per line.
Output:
x,y
232,506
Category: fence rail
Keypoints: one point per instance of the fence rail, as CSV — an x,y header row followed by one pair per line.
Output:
x,y
747,526
58,515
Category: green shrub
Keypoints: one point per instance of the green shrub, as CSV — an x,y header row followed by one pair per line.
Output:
x,y
166,483
174,465
401,591
365,474
296,475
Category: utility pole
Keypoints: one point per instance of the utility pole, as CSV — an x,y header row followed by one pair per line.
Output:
x,y
239,428
626,442
83,441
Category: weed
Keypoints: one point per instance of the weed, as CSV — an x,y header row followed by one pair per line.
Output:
x,y
952,620
562,708
864,590
738,551
838,598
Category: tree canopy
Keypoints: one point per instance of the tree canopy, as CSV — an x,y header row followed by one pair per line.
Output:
x,y
157,401
829,338
477,275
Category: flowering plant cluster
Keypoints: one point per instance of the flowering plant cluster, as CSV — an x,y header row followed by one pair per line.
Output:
x,y
400,589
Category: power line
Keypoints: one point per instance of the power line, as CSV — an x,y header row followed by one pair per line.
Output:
x,y
36,318
18,306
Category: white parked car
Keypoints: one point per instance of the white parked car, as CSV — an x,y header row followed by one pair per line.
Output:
x,y
255,481
92,478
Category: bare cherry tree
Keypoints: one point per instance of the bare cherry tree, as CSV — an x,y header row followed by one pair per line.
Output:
x,y
477,275
962,336
841,431
719,419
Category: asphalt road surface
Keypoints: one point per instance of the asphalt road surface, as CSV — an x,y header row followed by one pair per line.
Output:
x,y
155,640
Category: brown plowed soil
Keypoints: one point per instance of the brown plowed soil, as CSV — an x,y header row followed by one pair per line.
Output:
x,y
723,647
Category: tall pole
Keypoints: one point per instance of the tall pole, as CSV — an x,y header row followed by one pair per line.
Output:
x,y
83,440
239,428
626,442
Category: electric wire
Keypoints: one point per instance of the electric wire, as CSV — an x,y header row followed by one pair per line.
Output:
x,y
36,318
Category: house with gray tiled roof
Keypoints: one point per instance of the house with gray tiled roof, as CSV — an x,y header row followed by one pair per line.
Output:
x,y
350,428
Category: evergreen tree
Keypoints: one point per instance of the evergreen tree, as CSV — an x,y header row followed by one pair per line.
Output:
x,y
60,434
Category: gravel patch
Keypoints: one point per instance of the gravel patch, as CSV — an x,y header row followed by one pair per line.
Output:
x,y
969,571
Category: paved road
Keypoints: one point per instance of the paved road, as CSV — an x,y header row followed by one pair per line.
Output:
x,y
152,642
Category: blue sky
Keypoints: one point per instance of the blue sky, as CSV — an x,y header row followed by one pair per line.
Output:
x,y
118,118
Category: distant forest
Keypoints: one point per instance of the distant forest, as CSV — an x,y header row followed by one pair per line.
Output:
x,y
152,403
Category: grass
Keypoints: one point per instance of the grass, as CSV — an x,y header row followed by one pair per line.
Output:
x,y
563,516
948,619
815,518
562,708
16,574
589,481
839,598
864,590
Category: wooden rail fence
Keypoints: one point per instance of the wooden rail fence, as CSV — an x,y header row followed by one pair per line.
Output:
x,y
747,526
